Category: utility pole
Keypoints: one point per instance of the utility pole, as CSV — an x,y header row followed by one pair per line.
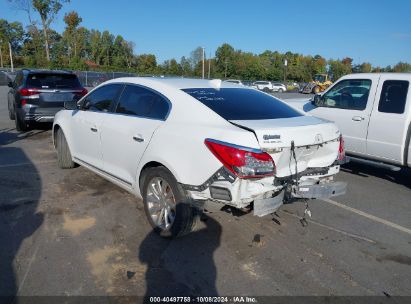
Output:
x,y
225,71
1,55
285,69
11,58
203,61
209,65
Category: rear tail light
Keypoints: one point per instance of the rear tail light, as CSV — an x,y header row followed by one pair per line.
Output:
x,y
28,92
341,149
242,161
83,92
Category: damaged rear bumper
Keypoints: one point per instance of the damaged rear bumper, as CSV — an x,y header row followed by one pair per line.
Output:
x,y
266,194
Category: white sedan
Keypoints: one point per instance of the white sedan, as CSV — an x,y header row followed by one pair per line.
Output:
x,y
177,143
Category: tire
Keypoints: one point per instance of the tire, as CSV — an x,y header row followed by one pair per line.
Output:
x,y
316,90
172,202
266,90
12,114
64,159
280,90
21,125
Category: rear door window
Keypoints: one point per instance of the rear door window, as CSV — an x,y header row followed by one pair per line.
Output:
x,y
142,102
53,81
242,104
393,96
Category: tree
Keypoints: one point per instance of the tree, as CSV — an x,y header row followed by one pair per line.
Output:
x,y
47,9
402,67
224,56
12,33
72,20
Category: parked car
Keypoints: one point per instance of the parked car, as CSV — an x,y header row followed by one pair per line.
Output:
x,y
265,86
236,81
279,87
136,133
373,111
37,95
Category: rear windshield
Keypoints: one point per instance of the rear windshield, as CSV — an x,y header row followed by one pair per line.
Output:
x,y
242,104
53,81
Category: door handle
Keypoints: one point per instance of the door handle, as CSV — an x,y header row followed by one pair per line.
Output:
x,y
93,129
138,138
357,118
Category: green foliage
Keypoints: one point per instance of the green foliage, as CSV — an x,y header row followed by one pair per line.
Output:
x,y
79,48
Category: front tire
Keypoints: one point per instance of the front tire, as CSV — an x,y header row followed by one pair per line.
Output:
x,y
64,159
280,90
168,209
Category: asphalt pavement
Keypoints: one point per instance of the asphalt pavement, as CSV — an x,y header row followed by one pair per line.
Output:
x,y
70,232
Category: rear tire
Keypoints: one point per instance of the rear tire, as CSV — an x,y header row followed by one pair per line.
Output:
x,y
64,159
266,90
165,201
21,125
280,90
12,114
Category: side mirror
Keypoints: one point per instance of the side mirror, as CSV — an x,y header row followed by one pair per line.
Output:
x,y
70,105
85,105
10,84
316,100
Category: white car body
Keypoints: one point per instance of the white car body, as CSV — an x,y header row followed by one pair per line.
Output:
x,y
370,131
235,81
262,85
119,146
279,87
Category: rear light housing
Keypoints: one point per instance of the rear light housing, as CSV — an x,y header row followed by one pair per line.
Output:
x,y
28,92
83,92
242,161
341,150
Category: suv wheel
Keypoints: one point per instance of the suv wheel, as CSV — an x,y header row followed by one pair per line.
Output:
x,y
280,90
267,90
12,113
64,159
21,125
168,209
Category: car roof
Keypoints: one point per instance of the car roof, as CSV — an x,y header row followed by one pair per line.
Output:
x,y
363,75
44,71
178,83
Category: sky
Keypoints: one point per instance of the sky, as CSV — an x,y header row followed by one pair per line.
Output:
x,y
377,31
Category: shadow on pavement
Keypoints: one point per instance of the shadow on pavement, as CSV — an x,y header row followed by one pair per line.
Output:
x,y
181,267
402,177
20,191
10,135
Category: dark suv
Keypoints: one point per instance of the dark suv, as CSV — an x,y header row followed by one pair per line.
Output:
x,y
37,95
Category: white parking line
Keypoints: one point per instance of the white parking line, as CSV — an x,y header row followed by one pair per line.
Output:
x,y
27,163
369,216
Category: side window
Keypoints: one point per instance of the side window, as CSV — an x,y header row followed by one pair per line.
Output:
x,y
393,96
101,99
19,79
141,102
350,94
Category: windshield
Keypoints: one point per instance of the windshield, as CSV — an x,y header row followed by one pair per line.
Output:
x,y
319,78
53,81
242,104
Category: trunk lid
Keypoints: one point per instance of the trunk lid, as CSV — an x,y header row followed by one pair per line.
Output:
x,y
316,142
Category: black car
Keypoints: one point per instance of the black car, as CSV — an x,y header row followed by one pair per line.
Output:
x,y
37,95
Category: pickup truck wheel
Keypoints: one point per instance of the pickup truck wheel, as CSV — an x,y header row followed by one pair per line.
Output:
x,y
168,209
64,159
